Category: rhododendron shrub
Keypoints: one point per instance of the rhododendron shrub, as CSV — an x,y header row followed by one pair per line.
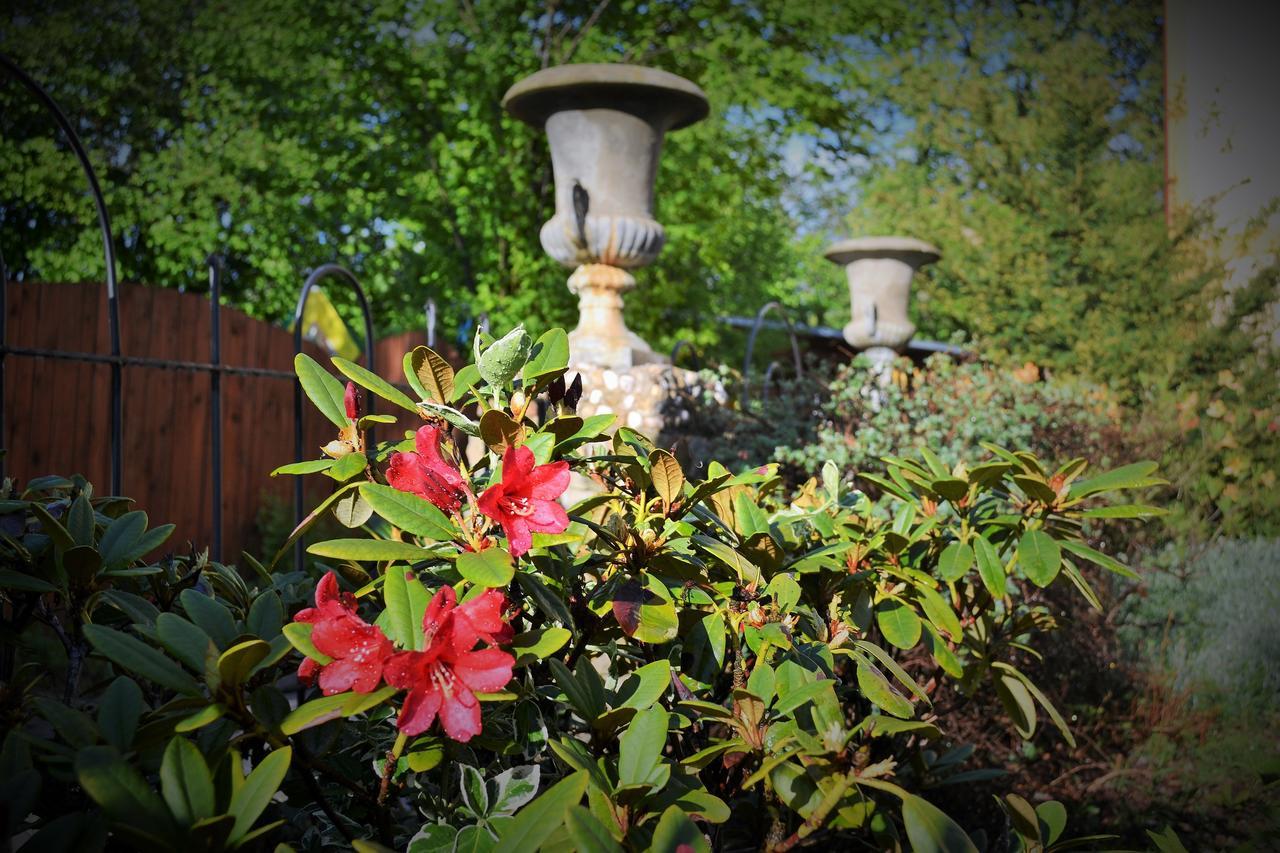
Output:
x,y
661,661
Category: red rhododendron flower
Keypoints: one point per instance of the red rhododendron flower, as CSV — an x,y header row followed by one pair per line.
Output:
x,y
445,677
351,399
358,649
525,499
426,473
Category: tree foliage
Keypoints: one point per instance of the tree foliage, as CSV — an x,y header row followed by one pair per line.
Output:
x,y
289,134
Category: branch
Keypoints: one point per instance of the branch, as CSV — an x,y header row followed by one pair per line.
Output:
x,y
586,28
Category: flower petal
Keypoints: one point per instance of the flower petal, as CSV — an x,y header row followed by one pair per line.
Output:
x,y
517,465
341,676
547,517
488,502
419,710
548,482
484,670
460,714
405,670
519,538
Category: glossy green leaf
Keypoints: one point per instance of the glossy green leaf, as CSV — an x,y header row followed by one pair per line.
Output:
x,y
898,622
990,567
369,550
326,708
930,830
675,831
533,646
491,567
536,822
954,561
321,388
410,513
375,383
1039,556
140,659
252,798
119,710
211,616
881,693
185,782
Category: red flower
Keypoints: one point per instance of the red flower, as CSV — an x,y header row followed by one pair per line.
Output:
x,y
525,499
426,473
358,649
351,399
441,679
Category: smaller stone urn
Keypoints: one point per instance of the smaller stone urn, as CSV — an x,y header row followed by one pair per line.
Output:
x,y
605,124
880,271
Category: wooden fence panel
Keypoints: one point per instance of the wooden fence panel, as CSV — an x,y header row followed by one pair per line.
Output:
x,y
57,415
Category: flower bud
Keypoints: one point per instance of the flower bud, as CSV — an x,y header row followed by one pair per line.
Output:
x,y
337,448
352,401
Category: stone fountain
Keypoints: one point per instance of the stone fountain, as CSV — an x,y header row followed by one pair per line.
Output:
x,y
880,270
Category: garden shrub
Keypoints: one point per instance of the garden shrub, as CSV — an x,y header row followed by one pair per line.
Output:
x,y
667,665
949,407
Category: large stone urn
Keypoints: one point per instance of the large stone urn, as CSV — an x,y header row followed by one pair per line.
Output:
x,y
605,124
880,270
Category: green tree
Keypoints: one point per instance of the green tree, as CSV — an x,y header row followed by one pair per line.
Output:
x,y
1029,148
371,133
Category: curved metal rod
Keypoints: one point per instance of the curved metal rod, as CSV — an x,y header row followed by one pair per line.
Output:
x,y
751,345
215,394
109,255
764,381
4,342
317,276
683,344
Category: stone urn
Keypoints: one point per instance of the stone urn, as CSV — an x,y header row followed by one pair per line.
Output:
x,y
880,270
605,125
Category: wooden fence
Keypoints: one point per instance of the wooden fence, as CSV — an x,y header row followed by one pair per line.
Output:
x,y
56,411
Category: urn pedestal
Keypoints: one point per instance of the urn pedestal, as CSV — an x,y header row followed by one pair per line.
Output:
x,y
879,270
605,125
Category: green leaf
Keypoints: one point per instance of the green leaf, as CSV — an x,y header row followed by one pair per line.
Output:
x,y
1123,511
410,513
898,622
252,798
433,838
370,550
326,708
533,646
880,692
550,355
640,747
990,567
580,696
9,579
1109,563
344,469
123,794
200,719
80,520
1137,475
119,710
310,466
930,830
491,567
375,383
514,787
299,636
140,659
474,794
939,611
1039,556
644,686
1052,817
676,831
589,834
433,374
955,561
120,538
211,615
406,601
185,641
536,822
266,615
185,782
74,727
321,388
1018,704
237,662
